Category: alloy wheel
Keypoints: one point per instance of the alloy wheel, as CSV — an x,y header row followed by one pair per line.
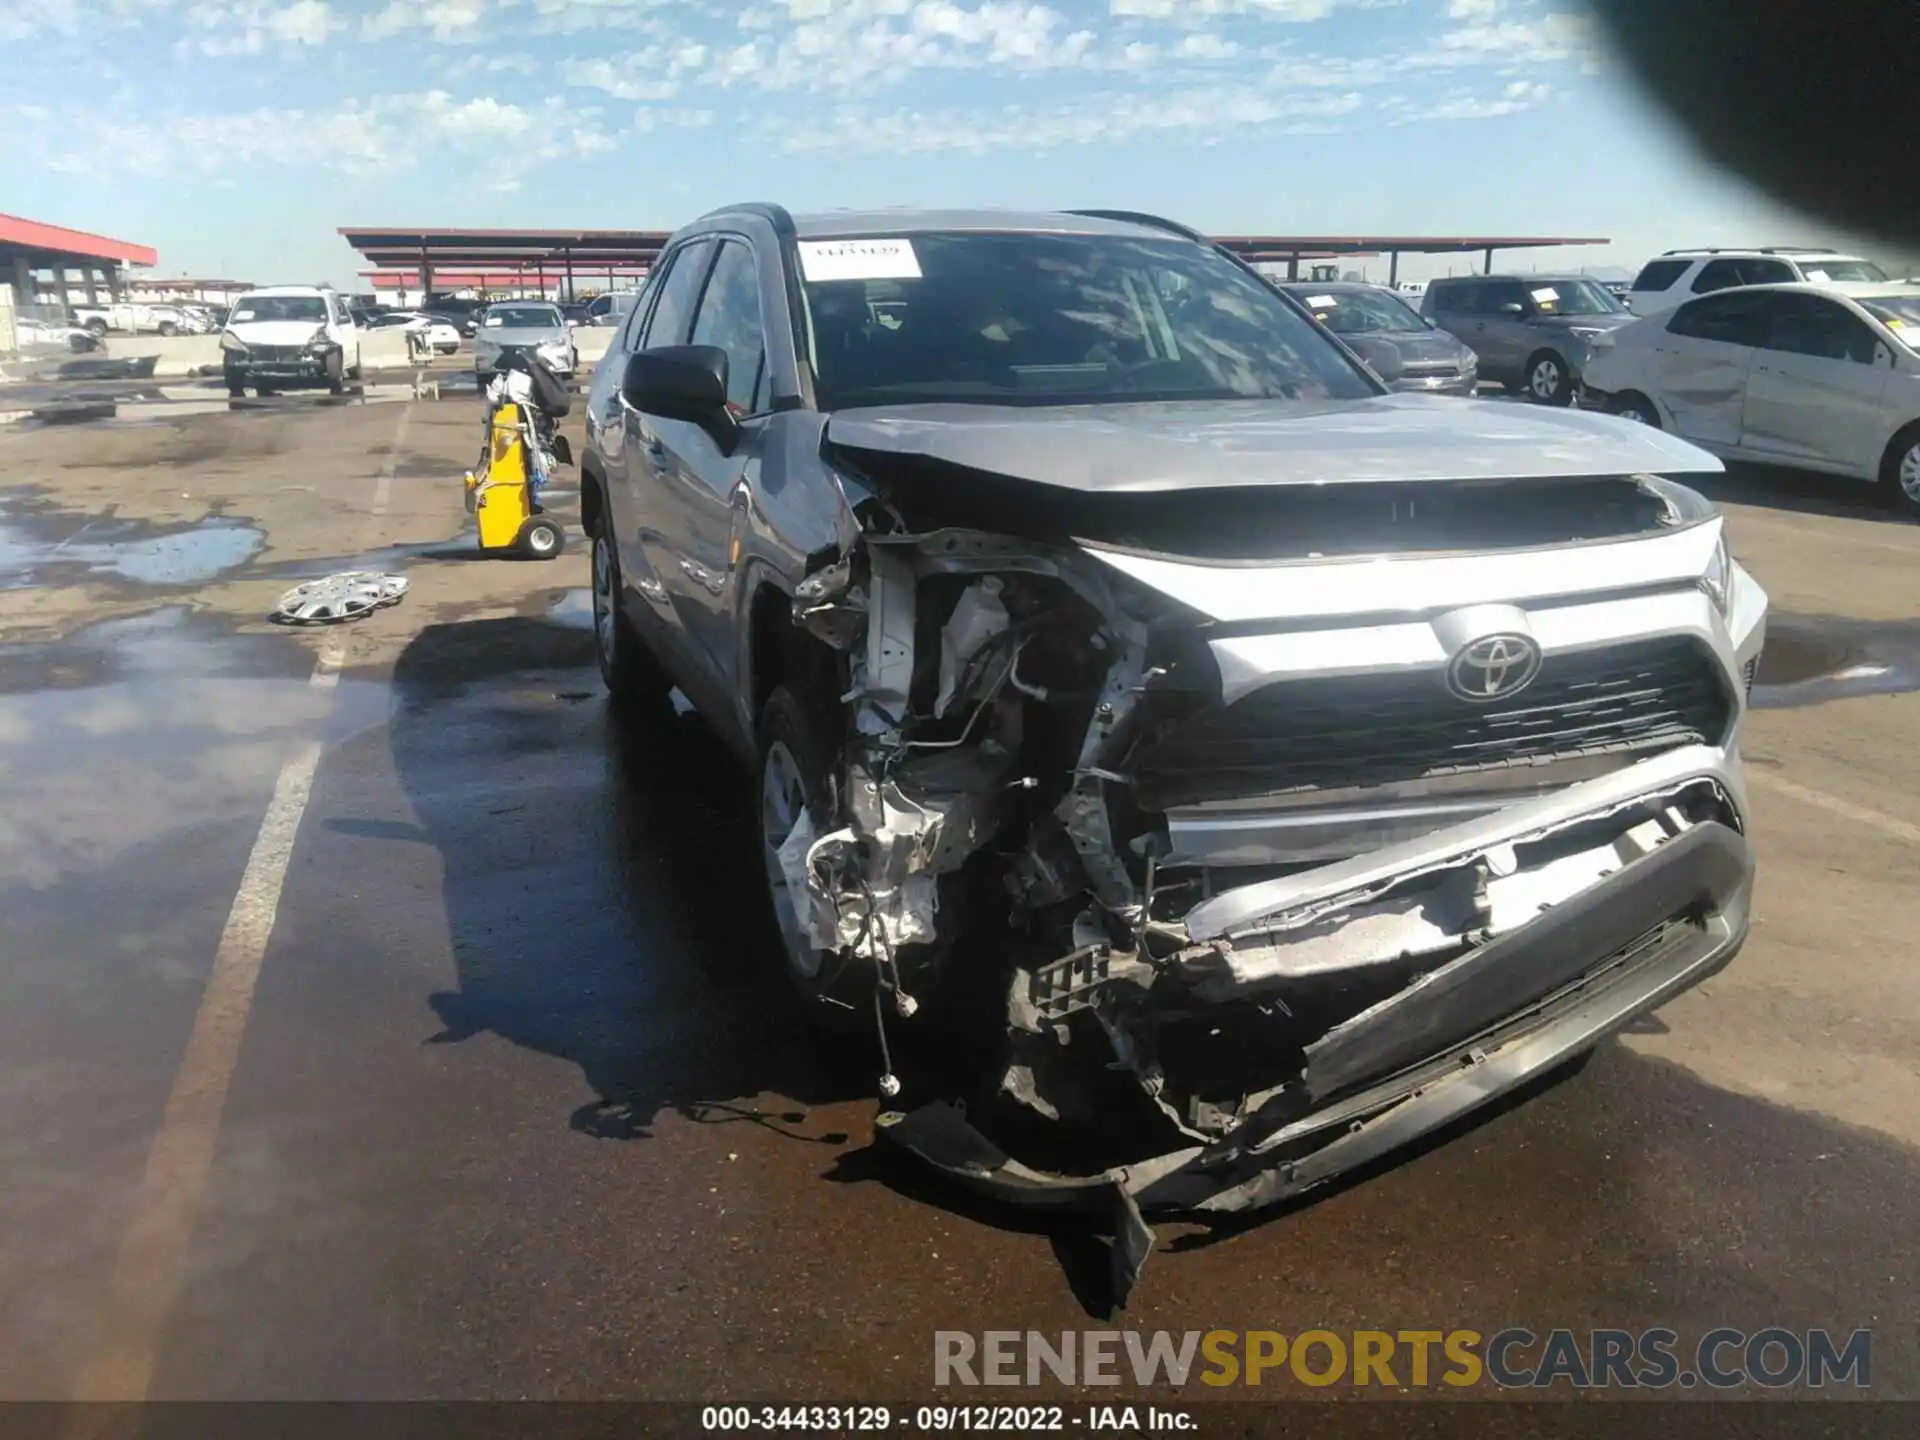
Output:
x,y
1546,380
783,799
1910,473
604,636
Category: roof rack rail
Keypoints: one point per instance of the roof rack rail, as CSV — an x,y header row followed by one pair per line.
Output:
x,y
1140,217
1798,250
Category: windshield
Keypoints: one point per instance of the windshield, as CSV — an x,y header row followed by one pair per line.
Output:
x,y
1573,297
1899,313
1360,312
279,307
522,317
1053,320
1843,272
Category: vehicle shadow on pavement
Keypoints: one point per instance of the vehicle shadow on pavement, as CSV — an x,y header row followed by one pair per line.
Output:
x,y
592,878
1800,491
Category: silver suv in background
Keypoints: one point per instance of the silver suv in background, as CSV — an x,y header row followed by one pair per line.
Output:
x,y
1284,766
1431,362
1533,333
1679,275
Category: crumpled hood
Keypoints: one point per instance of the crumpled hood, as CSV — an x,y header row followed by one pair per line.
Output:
x,y
275,332
1173,445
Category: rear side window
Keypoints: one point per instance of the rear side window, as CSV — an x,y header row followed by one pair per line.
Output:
x,y
1752,270
1451,299
1729,319
1660,274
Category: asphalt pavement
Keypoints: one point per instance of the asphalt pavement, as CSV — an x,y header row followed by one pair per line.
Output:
x,y
383,1017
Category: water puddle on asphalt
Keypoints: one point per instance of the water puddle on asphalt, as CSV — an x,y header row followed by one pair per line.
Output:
x,y
1810,660
34,552
148,725
572,609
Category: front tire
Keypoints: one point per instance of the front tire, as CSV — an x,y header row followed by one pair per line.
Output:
x,y
1900,470
794,766
168,329
1639,409
336,374
1548,380
631,674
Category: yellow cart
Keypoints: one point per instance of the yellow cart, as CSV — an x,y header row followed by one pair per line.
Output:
x,y
503,497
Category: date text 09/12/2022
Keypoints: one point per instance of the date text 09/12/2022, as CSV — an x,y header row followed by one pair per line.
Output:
x,y
948,1419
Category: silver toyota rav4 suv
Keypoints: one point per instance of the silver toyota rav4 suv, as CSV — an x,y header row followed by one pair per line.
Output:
x,y
1298,763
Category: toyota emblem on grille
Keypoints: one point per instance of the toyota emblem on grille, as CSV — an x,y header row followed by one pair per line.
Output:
x,y
1494,667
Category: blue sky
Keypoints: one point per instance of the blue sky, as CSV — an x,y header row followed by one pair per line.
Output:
x,y
237,135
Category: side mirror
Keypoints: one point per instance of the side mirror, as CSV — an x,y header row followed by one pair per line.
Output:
x,y
683,382
1382,356
1513,307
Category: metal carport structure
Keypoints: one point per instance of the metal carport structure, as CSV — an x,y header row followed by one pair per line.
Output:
x,y
28,247
567,254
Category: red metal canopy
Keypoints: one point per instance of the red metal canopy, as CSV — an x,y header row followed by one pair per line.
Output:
x,y
50,245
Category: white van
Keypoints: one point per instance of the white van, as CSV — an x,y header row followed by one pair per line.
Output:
x,y
289,336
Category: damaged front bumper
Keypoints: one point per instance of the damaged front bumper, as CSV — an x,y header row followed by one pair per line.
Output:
x,y
1646,896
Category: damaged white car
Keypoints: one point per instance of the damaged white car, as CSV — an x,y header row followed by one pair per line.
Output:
x,y
1297,765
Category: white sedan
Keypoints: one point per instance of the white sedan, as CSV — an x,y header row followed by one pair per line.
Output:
x,y
1778,374
440,334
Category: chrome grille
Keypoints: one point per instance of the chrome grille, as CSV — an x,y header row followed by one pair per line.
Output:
x,y
1364,730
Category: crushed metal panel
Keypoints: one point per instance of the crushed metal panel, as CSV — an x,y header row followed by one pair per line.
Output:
x,y
1701,870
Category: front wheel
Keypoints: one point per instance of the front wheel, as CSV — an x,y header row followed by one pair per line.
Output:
x,y
1547,380
98,328
1639,409
336,374
794,760
168,329
1900,470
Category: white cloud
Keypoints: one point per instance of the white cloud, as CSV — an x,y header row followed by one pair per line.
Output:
x,y
1204,45
248,27
455,21
1465,105
381,134
1212,112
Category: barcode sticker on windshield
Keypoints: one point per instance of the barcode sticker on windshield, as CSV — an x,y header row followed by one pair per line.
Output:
x,y
822,260
1546,295
243,314
1320,301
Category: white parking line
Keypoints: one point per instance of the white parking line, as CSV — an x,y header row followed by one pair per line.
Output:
x,y
151,1267
1834,805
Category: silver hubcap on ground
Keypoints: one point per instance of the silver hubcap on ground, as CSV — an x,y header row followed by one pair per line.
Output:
x,y
1910,474
603,611
782,800
1546,380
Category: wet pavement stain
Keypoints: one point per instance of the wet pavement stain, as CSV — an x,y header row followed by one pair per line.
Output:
x,y
1814,659
41,547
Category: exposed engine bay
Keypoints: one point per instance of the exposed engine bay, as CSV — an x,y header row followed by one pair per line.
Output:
x,y
1216,887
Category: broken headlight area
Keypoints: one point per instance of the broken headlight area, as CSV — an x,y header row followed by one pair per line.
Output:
x,y
1219,911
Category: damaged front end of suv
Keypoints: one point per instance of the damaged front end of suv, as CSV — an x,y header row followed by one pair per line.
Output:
x,y
1285,822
